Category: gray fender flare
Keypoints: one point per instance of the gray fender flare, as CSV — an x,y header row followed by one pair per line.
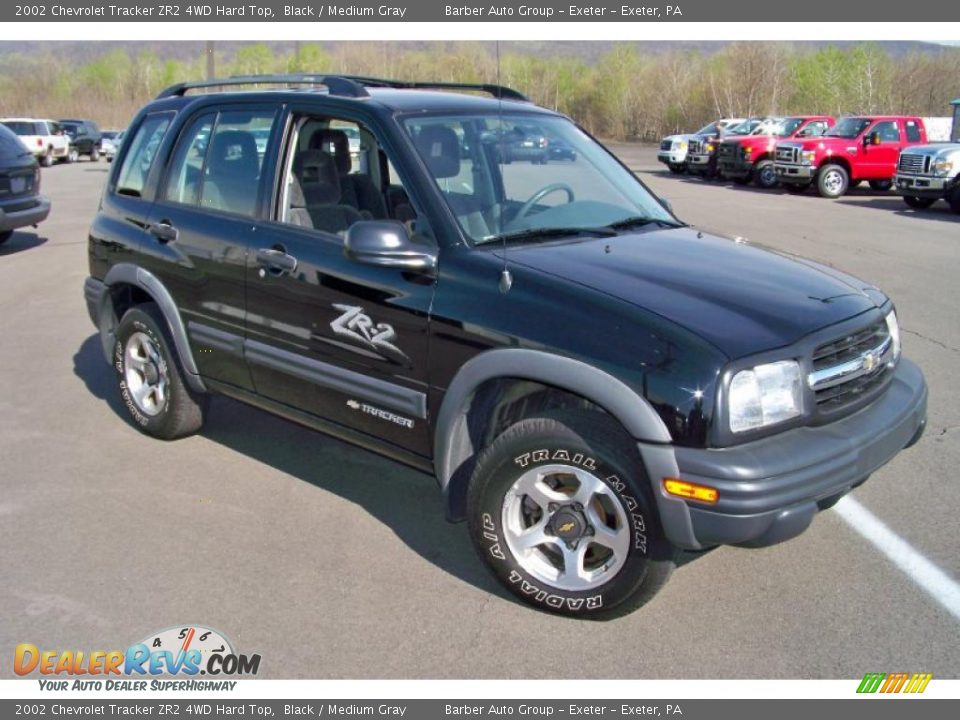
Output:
x,y
133,275
633,411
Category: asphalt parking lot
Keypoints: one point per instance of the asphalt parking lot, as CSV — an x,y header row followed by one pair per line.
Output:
x,y
334,563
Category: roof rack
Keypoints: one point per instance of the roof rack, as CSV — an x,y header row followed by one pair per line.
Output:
x,y
498,91
336,85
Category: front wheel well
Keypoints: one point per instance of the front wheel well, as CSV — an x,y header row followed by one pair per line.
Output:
x,y
493,407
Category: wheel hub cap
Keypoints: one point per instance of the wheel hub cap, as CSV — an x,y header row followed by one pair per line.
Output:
x,y
566,527
145,374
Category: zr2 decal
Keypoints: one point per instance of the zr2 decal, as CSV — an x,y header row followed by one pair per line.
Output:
x,y
359,327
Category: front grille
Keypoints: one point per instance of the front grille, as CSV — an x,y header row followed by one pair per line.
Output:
x,y
666,145
914,164
694,146
788,154
852,366
728,150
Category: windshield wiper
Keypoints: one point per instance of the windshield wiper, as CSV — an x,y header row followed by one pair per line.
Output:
x,y
640,221
547,232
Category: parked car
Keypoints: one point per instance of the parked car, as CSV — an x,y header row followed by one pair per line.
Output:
x,y
560,149
927,173
674,148
110,142
702,153
21,204
615,387
85,138
525,142
749,158
44,138
859,148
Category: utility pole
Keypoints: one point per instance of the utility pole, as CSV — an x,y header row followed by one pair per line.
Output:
x,y
211,63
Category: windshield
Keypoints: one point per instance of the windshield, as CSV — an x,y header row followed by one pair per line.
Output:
x,y
745,128
710,129
785,127
848,128
499,178
71,128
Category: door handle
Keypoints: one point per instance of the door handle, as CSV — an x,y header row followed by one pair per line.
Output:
x,y
276,260
164,231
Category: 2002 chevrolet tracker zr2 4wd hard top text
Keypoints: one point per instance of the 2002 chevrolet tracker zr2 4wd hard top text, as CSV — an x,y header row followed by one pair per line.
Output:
x,y
595,384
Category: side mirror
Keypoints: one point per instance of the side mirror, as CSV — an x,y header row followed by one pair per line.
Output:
x,y
871,139
387,243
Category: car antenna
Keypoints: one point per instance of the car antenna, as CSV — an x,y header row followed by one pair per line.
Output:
x,y
506,278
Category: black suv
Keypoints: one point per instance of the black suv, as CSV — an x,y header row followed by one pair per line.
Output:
x,y
20,201
594,384
85,138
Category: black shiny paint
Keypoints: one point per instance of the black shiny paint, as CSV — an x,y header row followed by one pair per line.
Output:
x,y
663,311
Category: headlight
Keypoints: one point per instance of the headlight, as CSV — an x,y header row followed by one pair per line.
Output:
x,y
893,327
808,156
682,146
710,147
764,395
942,166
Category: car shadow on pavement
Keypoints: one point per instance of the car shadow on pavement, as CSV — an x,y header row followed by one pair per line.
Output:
x,y
22,241
406,501
895,204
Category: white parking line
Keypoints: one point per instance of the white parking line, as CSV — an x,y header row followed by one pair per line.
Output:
x,y
940,586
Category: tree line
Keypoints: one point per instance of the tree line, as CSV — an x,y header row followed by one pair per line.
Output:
x,y
627,93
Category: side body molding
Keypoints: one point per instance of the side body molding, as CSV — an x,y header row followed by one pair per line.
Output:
x,y
452,445
147,281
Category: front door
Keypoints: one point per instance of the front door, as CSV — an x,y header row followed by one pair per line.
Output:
x,y
327,335
881,160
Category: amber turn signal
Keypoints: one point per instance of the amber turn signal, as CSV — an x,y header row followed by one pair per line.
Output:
x,y
690,491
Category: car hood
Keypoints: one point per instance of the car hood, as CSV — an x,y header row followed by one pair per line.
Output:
x,y
933,149
674,138
741,298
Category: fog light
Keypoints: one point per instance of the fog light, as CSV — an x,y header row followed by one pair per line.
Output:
x,y
690,491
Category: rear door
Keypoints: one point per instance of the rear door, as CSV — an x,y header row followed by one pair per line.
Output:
x,y
327,335
203,226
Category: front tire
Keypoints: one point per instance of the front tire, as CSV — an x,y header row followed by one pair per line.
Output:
x,y
560,509
47,160
954,199
765,175
150,378
72,155
832,181
676,168
918,203
5,235
95,154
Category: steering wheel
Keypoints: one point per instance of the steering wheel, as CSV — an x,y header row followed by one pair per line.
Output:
x,y
540,195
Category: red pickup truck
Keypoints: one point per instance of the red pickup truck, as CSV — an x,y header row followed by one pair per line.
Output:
x,y
855,149
750,158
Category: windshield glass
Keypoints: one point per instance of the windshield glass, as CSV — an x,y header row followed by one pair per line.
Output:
x,y
848,128
710,129
785,127
745,128
501,176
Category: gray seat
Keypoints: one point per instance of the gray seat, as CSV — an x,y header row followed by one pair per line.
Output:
x,y
319,183
233,173
357,190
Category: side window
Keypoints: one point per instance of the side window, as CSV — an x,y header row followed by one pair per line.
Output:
x,y
338,174
139,157
887,130
913,131
231,176
183,180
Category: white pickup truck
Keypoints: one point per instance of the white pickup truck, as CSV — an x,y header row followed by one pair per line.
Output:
x,y
44,138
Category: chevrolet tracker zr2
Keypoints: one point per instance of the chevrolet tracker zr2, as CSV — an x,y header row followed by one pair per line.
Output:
x,y
595,384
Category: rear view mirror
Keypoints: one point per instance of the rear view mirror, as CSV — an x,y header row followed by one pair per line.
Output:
x,y
387,243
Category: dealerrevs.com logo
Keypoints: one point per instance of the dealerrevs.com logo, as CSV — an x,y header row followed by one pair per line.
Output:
x,y
182,651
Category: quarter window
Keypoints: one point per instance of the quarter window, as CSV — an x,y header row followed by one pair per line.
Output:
x,y
913,131
143,149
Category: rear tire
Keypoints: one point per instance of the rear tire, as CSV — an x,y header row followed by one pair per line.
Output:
x,y
5,235
918,203
150,377
832,181
73,155
561,511
95,155
47,160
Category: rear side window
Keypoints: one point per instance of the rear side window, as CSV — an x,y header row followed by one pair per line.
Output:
x,y
218,161
913,131
142,151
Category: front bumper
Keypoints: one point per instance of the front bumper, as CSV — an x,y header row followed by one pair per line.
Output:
x,y
672,158
924,185
735,168
770,489
794,173
28,216
700,160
